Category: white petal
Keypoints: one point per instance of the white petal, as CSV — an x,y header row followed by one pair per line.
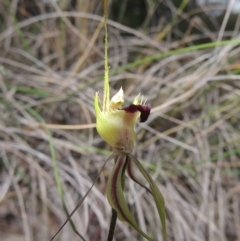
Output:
x,y
117,100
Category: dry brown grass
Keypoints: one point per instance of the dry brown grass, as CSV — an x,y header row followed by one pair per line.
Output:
x,y
51,64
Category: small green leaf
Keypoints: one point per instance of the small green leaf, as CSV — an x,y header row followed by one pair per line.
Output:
x,y
157,195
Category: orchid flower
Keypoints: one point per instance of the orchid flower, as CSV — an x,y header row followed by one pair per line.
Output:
x,y
116,125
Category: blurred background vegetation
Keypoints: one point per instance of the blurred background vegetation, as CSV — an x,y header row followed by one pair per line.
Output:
x,y
182,55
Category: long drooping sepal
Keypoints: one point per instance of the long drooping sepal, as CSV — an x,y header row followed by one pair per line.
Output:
x,y
157,195
116,197
132,175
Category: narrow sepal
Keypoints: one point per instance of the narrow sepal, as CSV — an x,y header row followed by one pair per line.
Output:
x,y
116,197
157,195
132,175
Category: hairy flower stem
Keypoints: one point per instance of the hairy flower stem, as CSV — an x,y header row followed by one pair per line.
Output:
x,y
112,225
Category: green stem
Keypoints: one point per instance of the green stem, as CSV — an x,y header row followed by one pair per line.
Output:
x,y
112,225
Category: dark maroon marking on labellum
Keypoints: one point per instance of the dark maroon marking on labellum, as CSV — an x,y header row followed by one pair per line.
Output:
x,y
144,110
